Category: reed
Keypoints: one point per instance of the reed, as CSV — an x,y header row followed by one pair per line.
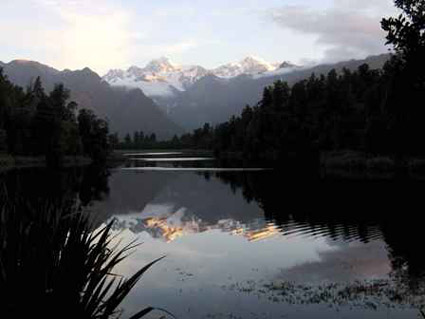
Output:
x,y
54,264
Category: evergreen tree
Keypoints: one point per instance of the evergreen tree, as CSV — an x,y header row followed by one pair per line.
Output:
x,y
406,76
94,134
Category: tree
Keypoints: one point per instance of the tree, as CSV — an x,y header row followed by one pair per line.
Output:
x,y
127,140
406,32
114,140
281,93
94,134
152,138
35,123
136,140
406,76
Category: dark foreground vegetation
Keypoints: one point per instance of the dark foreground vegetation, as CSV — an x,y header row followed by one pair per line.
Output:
x,y
371,112
55,264
33,123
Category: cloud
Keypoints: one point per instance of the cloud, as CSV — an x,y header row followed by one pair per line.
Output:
x,y
100,34
348,29
68,33
94,40
95,34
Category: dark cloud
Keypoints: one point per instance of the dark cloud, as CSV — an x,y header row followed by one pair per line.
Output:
x,y
349,29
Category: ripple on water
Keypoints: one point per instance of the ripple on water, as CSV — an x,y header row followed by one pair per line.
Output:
x,y
194,169
153,154
174,159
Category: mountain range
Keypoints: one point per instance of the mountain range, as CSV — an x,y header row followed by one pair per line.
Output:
x,y
193,95
126,110
162,78
167,99
214,99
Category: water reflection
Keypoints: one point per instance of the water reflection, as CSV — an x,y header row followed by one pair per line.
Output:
x,y
256,244
193,169
54,263
349,225
73,186
152,153
174,159
173,227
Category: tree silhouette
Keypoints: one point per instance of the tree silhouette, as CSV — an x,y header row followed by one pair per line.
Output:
x,y
406,83
35,123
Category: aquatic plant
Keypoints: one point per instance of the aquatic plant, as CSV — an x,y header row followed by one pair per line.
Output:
x,y
54,263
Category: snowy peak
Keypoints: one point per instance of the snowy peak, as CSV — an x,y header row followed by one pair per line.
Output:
x,y
249,66
113,75
252,64
161,65
161,77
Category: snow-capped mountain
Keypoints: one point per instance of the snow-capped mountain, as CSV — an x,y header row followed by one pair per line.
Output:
x,y
159,77
162,78
248,66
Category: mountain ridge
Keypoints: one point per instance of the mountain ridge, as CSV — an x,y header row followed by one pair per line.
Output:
x,y
206,98
215,100
162,78
126,110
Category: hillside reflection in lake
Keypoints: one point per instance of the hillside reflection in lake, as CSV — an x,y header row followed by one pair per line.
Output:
x,y
256,244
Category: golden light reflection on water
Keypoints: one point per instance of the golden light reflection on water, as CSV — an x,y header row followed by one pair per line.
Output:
x,y
269,231
169,231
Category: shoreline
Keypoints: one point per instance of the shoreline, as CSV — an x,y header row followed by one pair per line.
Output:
x,y
343,164
8,162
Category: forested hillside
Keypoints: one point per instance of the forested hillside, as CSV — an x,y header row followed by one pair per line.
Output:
x,y
34,123
124,109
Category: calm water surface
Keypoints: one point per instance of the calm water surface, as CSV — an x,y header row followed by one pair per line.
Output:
x,y
253,243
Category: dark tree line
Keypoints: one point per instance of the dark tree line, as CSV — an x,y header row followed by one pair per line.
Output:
x,y
139,140
351,110
373,111
34,123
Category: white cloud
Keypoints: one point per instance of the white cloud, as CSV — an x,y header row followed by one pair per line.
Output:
x,y
95,34
100,34
349,29
94,40
69,34
104,34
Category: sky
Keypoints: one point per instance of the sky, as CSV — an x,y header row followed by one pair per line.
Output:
x,y
107,34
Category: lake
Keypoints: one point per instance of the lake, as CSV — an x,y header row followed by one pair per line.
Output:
x,y
250,242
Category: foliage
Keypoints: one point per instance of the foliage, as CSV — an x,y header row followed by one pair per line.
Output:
x,y
54,264
94,135
406,89
35,123
140,140
406,32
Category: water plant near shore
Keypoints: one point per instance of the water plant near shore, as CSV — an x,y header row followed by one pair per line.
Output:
x,y
55,264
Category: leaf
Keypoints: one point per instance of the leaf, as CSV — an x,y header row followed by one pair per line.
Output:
x,y
142,313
